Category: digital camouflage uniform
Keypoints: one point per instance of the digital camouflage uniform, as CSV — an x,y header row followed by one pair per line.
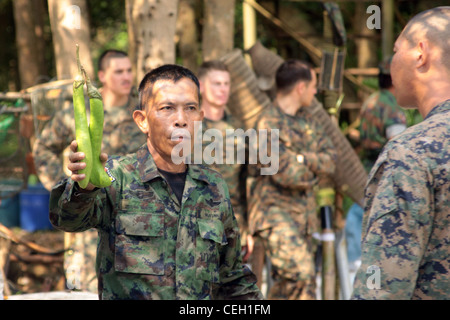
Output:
x,y
234,173
283,206
151,246
120,136
406,223
379,112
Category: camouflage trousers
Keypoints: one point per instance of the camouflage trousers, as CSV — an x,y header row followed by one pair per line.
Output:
x,y
291,254
79,260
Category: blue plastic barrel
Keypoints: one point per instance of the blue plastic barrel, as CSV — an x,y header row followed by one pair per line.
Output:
x,y
34,208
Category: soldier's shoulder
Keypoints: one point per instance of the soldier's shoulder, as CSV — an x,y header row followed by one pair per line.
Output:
x,y
207,173
269,116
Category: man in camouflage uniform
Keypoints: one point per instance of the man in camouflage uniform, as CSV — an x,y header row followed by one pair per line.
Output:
x,y
283,206
381,119
167,229
215,85
405,252
120,136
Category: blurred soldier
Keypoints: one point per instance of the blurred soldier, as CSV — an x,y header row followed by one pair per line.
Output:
x,y
405,235
215,86
381,119
167,229
283,213
120,136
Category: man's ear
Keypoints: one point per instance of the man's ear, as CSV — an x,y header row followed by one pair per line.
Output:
x,y
101,76
140,117
422,54
300,87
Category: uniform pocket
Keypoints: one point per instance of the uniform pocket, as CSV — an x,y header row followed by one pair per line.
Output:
x,y
139,243
211,237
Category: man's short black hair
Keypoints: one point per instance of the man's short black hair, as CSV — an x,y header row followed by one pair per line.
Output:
x,y
384,81
106,56
291,72
171,72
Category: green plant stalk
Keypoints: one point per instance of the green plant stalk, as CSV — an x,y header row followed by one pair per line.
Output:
x,y
81,125
99,178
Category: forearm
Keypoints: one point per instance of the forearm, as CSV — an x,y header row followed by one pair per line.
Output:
x,y
72,210
320,163
293,174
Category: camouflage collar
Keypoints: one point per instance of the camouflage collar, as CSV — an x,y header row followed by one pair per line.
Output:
x,y
441,107
148,170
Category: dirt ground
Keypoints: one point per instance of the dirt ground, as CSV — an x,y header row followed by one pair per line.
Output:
x,y
30,271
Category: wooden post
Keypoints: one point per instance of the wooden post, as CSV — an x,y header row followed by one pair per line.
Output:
x,y
249,26
387,28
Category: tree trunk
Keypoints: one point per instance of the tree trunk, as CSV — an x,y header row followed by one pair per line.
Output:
x,y
151,33
41,14
28,53
387,30
187,34
70,25
218,28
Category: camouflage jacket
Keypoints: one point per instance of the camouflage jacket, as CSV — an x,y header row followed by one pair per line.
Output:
x,y
121,135
234,173
379,112
151,246
291,189
405,232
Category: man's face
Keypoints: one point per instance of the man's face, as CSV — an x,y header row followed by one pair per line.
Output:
x,y
310,91
171,112
117,76
402,72
215,88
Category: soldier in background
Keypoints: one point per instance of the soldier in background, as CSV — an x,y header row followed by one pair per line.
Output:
x,y
167,229
283,208
215,85
120,136
405,234
381,118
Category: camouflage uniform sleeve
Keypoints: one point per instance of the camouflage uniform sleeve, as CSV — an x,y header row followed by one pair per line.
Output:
x,y
71,210
237,281
323,160
396,226
49,146
285,170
